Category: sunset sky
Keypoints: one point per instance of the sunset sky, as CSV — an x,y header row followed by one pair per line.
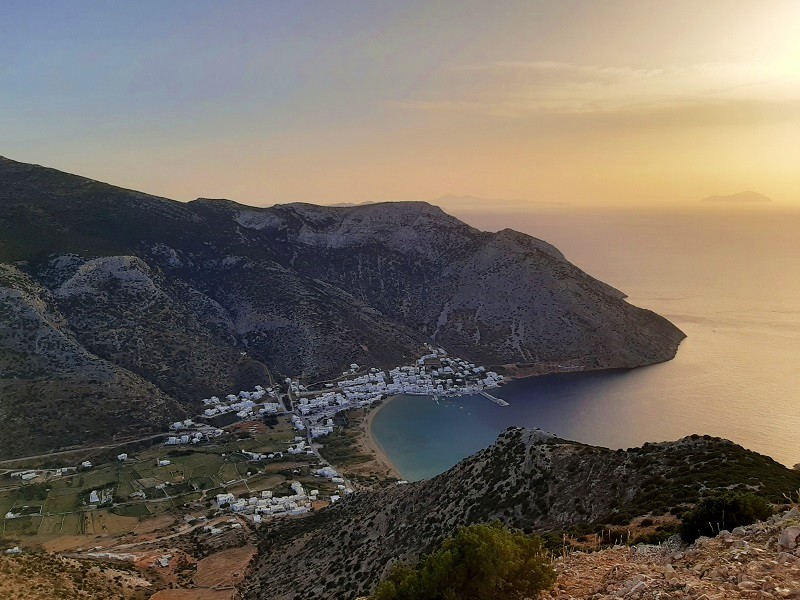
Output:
x,y
634,103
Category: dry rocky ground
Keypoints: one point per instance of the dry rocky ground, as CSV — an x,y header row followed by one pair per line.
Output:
x,y
48,576
758,561
125,566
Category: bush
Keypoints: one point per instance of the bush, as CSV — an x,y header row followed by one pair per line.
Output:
x,y
480,562
726,511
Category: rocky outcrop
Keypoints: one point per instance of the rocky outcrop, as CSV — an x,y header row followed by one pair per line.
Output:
x,y
749,562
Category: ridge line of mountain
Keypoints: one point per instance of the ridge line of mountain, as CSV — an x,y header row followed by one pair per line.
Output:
x,y
166,302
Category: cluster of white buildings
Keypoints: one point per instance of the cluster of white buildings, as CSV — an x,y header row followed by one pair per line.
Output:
x,y
268,505
30,474
333,475
434,374
186,438
300,447
298,503
191,437
319,410
244,404
99,497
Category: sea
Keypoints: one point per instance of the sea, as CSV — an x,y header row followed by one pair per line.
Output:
x,y
729,277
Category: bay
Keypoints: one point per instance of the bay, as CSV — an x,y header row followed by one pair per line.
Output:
x,y
730,280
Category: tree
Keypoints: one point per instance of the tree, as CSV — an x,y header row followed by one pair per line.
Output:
x,y
481,562
726,511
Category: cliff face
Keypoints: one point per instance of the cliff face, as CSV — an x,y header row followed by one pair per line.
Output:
x,y
527,479
498,298
201,298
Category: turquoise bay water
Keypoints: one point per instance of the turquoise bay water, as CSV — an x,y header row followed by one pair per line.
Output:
x,y
731,282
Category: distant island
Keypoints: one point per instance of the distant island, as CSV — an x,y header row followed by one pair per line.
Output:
x,y
187,391
738,198
463,202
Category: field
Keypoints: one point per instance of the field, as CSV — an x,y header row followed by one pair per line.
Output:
x,y
54,506
224,568
148,510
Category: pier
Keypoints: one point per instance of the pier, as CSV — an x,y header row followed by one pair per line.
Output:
x,y
498,401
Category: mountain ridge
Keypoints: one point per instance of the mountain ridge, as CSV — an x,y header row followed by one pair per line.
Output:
x,y
203,297
528,479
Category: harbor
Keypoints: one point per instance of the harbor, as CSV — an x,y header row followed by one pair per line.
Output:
x,y
498,401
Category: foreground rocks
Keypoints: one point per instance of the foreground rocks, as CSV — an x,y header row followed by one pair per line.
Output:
x,y
759,561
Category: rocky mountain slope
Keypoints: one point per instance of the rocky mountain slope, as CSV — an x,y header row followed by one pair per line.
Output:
x,y
527,479
160,303
53,391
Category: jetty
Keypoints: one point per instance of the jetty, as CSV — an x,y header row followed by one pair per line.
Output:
x,y
498,401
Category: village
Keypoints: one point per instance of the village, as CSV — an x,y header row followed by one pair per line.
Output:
x,y
229,455
312,411
206,483
434,374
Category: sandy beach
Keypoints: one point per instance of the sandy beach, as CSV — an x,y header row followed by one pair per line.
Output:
x,y
372,446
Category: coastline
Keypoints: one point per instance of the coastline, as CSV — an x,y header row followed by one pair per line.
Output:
x,y
371,443
511,372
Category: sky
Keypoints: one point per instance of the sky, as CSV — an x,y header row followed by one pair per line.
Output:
x,y
594,104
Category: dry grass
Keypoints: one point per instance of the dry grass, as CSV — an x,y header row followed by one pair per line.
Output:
x,y
224,568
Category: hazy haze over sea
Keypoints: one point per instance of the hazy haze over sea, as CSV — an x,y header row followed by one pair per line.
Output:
x,y
729,278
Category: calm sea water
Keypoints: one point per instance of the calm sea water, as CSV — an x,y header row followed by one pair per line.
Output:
x,y
730,280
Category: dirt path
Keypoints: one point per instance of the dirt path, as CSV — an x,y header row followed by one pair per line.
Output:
x,y
9,461
194,594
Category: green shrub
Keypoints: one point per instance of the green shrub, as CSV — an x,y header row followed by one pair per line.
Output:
x,y
662,534
725,511
480,562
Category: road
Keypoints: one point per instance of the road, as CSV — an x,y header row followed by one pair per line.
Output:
x,y
83,448
310,440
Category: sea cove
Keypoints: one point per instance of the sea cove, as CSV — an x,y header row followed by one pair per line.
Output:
x,y
736,375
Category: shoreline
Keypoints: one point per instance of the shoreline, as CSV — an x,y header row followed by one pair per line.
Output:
x,y
512,373
372,444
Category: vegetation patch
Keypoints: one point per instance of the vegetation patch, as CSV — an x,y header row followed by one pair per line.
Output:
x,y
480,562
727,511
